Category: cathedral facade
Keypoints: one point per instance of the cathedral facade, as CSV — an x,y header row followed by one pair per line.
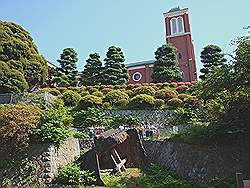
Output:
x,y
178,33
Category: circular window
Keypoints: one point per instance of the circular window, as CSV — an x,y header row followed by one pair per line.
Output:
x,y
137,76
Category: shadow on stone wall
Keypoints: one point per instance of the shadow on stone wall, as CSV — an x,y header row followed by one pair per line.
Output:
x,y
47,157
200,162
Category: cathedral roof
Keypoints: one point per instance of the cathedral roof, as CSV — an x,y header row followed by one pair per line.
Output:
x,y
174,9
148,62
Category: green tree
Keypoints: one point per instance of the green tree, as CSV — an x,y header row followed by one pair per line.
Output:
x,y
11,80
115,71
68,72
92,72
242,61
166,68
212,58
20,53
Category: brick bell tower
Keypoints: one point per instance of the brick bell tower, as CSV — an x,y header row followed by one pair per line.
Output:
x,y
178,33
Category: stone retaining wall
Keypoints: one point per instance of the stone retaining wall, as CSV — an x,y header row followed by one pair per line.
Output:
x,y
157,118
47,157
199,162
50,157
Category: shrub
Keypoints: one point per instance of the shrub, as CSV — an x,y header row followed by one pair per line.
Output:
x,y
180,83
84,93
173,84
98,94
159,85
17,123
181,89
114,96
59,103
110,86
142,101
165,94
184,116
70,98
192,101
89,117
107,105
129,92
55,126
97,86
122,102
183,96
61,89
159,102
148,90
117,87
129,120
81,88
90,101
175,102
71,174
188,83
130,86
106,90
92,89
102,87
166,84
81,135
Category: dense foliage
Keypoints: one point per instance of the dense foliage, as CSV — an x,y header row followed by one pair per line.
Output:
x,y
90,101
114,97
71,174
17,123
89,117
92,73
166,66
70,98
22,66
123,96
114,71
221,113
11,80
142,101
66,75
211,58
56,126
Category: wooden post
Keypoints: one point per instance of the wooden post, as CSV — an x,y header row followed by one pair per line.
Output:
x,y
119,164
120,161
239,180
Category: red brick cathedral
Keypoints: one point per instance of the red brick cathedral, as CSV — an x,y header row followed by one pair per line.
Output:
x,y
178,33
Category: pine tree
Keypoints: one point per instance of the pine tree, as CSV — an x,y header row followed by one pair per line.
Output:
x,y
115,72
68,60
166,67
92,72
212,58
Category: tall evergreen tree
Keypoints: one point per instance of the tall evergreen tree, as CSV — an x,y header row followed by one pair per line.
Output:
x,y
166,68
19,53
68,60
92,72
115,72
212,58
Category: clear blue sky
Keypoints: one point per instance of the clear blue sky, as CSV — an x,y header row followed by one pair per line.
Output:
x,y
137,26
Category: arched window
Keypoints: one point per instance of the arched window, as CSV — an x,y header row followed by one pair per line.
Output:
x,y
182,75
173,26
180,25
